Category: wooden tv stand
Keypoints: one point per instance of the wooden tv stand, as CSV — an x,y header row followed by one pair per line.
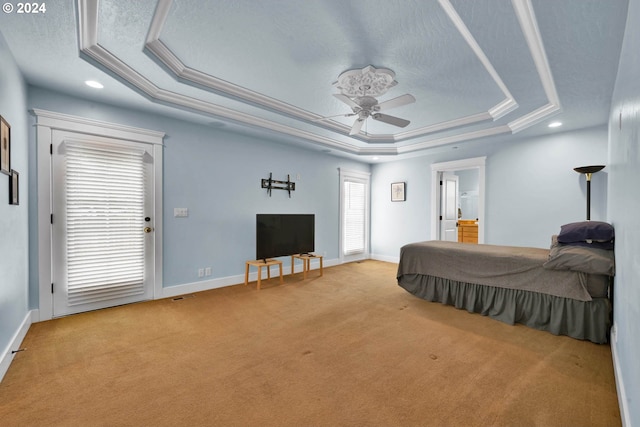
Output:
x,y
306,263
262,263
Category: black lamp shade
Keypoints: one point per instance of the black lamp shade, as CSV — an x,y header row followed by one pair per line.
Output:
x,y
588,170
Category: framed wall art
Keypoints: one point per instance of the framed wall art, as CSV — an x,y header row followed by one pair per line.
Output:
x,y
14,188
398,192
5,146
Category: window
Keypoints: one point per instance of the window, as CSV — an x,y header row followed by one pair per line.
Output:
x,y
354,215
354,218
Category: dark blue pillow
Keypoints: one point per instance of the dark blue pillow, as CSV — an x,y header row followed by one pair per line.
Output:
x,y
586,232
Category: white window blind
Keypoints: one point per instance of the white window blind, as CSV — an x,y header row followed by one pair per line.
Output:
x,y
354,217
104,222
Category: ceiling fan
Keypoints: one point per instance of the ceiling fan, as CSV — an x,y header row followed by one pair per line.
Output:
x,y
358,89
367,106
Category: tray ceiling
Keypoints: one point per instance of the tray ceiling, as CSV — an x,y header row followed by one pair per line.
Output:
x,y
476,69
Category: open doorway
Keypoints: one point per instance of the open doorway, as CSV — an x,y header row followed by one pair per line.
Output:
x,y
453,167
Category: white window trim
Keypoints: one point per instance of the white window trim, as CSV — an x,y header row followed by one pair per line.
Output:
x,y
365,177
46,123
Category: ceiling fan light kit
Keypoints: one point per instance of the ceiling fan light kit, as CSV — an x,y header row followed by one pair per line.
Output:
x,y
358,89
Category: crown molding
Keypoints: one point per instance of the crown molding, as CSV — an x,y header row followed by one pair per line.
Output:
x,y
503,108
477,50
533,117
182,72
60,121
451,124
87,24
528,23
170,60
498,130
89,46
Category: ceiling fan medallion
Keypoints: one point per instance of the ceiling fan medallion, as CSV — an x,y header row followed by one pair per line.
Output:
x,y
368,81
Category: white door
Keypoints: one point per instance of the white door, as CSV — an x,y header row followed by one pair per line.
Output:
x,y
449,207
103,222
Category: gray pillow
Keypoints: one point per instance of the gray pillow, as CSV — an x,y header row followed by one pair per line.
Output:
x,y
579,258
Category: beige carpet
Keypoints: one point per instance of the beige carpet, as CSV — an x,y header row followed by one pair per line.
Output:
x,y
349,349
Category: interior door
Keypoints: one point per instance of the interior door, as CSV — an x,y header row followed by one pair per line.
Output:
x,y
449,207
102,222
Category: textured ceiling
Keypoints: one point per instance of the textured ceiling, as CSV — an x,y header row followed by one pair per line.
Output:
x,y
476,69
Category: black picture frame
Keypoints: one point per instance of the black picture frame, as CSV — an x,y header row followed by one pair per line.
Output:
x,y
5,146
398,191
14,188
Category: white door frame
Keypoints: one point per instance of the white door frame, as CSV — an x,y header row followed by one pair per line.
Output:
x,y
46,123
436,168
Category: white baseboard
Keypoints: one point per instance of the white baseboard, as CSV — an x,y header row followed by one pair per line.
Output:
x,y
622,394
393,259
205,285
7,355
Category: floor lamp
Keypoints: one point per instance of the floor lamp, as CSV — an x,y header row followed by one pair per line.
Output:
x,y
588,171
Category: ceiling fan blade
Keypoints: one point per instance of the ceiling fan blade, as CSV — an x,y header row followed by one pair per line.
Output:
x,y
396,121
396,102
357,125
347,101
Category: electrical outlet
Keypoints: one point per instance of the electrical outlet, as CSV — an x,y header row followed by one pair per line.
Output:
x,y
207,271
201,272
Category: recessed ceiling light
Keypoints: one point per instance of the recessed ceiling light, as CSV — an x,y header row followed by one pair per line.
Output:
x,y
376,158
94,84
555,124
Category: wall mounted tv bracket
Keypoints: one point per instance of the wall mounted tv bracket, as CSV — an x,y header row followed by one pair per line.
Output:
x,y
272,184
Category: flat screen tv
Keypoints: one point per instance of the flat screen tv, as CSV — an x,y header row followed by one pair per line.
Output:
x,y
284,234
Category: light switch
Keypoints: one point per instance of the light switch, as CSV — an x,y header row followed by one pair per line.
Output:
x,y
180,212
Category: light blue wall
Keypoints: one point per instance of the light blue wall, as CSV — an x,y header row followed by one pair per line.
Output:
x,y
14,232
531,190
624,205
394,224
216,175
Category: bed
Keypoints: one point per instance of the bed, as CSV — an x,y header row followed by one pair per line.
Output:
x,y
564,290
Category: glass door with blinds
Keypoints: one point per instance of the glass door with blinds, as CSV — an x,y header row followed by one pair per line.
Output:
x,y
354,238
102,222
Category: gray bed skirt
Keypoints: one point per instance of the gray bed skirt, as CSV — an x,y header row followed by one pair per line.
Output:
x,y
585,320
